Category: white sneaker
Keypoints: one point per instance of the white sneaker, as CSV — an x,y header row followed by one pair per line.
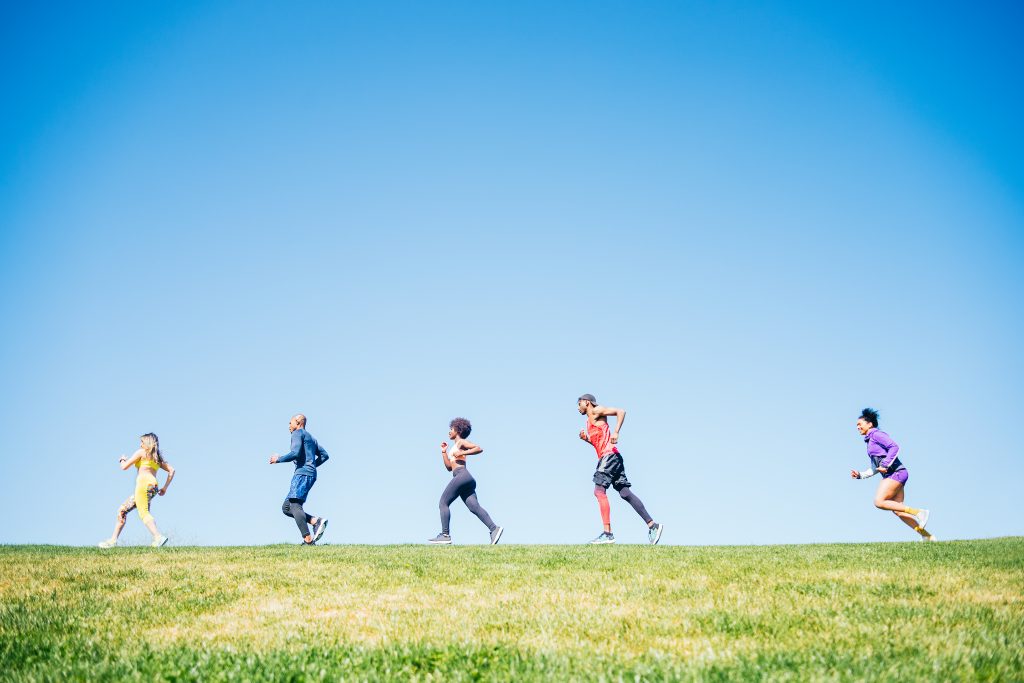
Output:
x,y
107,543
159,541
931,537
922,518
319,529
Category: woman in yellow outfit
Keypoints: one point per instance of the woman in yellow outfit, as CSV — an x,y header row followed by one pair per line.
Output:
x,y
148,460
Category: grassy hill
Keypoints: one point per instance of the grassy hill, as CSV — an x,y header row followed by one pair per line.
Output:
x,y
914,611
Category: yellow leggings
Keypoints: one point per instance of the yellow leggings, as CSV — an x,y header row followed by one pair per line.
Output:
x,y
145,489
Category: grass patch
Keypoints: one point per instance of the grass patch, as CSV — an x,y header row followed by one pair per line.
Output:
x,y
948,611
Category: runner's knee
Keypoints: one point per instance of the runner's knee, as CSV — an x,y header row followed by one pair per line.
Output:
x,y
599,492
122,514
880,503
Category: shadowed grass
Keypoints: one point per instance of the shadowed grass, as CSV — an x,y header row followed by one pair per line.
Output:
x,y
950,611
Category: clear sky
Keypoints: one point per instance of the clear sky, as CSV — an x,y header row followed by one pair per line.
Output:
x,y
741,223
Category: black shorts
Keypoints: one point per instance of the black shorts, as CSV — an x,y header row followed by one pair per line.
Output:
x,y
611,472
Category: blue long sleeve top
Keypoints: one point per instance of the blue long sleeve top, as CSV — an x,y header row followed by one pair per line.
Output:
x,y
304,449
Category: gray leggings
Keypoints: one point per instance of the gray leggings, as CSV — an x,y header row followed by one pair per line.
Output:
x,y
462,485
293,508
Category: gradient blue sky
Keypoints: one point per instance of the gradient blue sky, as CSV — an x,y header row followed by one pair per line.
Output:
x,y
741,223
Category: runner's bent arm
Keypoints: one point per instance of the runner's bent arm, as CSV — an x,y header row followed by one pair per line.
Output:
x,y
444,456
620,417
166,466
136,456
296,447
468,448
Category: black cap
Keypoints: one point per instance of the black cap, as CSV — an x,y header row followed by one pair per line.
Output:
x,y
587,397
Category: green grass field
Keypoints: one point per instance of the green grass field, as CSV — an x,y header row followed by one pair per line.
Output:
x,y
913,611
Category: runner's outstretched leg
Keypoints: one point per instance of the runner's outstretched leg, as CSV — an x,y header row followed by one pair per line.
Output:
x,y
627,495
474,506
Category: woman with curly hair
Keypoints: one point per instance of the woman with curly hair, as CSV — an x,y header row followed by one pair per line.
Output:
x,y
148,459
462,485
882,452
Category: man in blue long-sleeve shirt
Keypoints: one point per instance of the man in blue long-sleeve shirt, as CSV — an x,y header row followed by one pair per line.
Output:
x,y
307,454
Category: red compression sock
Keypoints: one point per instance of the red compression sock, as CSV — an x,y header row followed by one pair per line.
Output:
x,y
602,502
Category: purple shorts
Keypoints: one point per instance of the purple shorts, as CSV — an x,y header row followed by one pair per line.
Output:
x,y
900,475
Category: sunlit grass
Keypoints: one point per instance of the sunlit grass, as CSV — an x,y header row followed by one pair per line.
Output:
x,y
942,611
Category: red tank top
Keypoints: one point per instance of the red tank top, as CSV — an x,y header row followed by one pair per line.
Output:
x,y
600,435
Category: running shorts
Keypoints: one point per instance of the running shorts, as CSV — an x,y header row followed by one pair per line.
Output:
x,y
611,472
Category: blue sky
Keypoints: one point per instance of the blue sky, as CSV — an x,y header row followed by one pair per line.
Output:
x,y
742,224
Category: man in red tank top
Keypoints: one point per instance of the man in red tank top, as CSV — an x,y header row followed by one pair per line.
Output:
x,y
610,469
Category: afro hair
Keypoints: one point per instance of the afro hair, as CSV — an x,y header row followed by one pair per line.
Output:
x,y
461,426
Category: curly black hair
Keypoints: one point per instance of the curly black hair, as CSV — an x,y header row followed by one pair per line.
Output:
x,y
870,415
461,426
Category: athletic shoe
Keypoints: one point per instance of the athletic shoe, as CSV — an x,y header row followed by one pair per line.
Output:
x,y
107,543
922,517
319,529
496,534
604,538
159,541
929,538
441,539
654,533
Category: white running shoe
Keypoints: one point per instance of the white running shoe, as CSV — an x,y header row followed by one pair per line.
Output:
x,y
159,542
319,529
107,543
922,518
931,538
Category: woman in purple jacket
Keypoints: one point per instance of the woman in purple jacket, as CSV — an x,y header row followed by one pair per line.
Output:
x,y
883,451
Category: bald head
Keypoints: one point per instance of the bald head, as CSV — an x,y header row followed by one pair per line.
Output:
x,y
298,421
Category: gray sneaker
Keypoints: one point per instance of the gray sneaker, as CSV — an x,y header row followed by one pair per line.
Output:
x,y
654,533
319,529
604,538
441,539
496,534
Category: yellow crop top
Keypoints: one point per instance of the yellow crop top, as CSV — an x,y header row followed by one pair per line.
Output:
x,y
145,463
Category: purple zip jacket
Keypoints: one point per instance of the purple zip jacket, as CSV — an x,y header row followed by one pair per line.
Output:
x,y
882,451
